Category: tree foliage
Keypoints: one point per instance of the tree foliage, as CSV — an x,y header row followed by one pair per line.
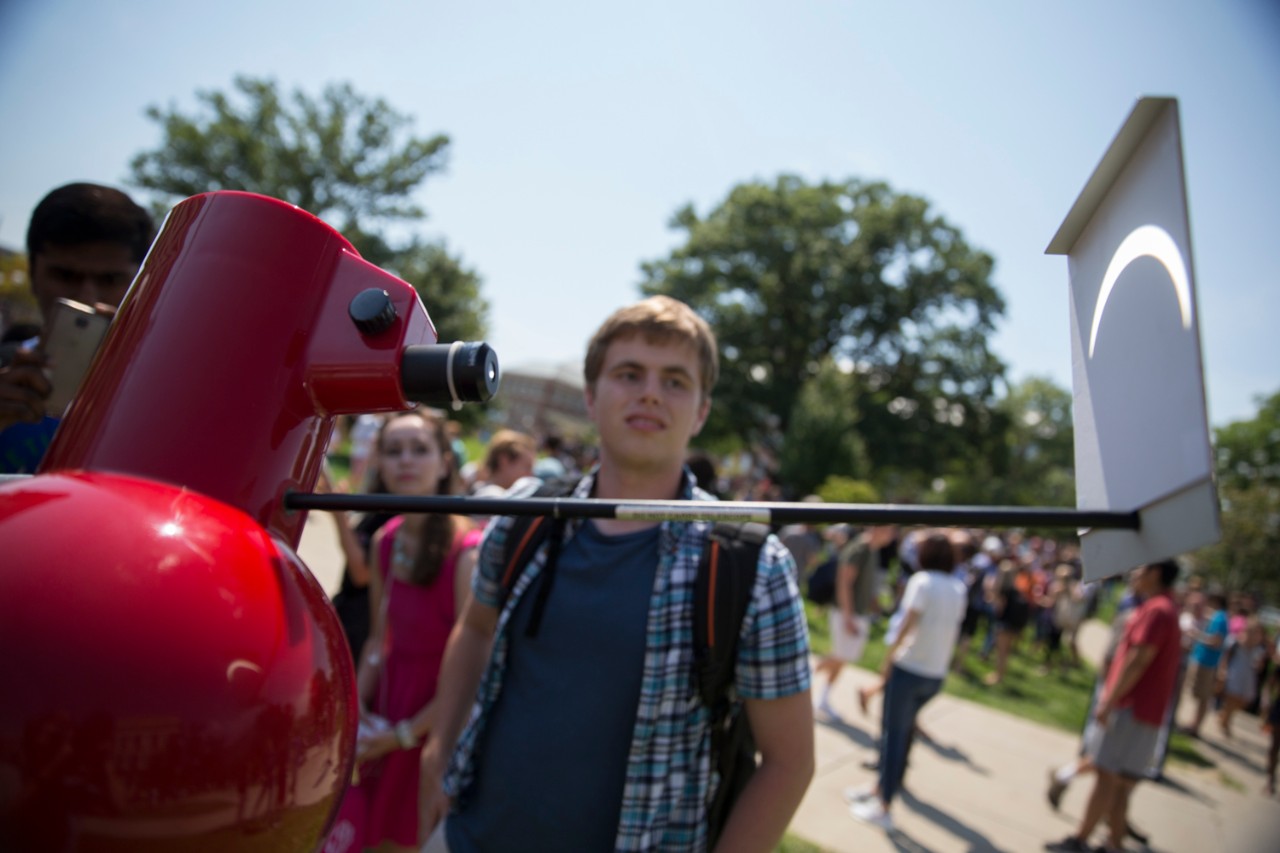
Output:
x,y
1247,558
1038,462
346,158
17,302
1248,452
793,276
342,157
820,443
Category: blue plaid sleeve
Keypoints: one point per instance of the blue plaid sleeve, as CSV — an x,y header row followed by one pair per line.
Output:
x,y
773,650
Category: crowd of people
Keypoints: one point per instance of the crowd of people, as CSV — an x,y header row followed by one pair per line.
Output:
x,y
498,715
1006,596
947,598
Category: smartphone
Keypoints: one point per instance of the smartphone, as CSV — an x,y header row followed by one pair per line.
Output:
x,y
75,333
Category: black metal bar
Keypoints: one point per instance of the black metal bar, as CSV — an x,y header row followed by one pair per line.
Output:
x,y
768,513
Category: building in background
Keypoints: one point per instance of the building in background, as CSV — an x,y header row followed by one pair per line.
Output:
x,y
544,399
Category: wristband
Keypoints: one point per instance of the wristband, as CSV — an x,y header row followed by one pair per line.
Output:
x,y
405,736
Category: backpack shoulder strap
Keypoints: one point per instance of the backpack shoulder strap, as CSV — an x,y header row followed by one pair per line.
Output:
x,y
527,533
524,537
722,592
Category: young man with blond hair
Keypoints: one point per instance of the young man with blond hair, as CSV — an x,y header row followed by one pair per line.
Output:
x,y
587,732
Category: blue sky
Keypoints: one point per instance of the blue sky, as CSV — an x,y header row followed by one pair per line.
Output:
x,y
578,128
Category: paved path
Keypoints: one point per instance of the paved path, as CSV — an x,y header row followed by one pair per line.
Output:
x,y
982,786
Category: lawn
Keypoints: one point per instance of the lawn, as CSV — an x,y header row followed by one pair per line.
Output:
x,y
1055,699
1059,700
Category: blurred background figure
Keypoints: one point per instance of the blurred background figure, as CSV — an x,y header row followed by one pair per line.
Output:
x,y
1242,660
704,471
508,457
1013,612
363,434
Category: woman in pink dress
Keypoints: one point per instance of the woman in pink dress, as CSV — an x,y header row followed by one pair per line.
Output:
x,y
421,574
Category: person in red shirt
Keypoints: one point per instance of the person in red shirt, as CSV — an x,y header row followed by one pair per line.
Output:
x,y
1134,699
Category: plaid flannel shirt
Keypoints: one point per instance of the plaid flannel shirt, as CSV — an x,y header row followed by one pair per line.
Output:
x,y
668,773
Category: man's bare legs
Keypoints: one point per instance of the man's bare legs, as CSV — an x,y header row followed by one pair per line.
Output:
x,y
1118,818
1100,802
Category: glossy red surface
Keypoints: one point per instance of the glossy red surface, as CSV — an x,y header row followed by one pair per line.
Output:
x,y
174,678
231,354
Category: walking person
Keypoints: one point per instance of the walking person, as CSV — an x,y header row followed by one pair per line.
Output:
x,y
934,604
1243,659
1013,612
849,620
1131,707
1206,654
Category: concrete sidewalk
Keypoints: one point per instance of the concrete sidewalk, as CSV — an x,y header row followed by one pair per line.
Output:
x,y
981,787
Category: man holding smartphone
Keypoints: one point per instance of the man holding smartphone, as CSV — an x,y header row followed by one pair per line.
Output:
x,y
85,242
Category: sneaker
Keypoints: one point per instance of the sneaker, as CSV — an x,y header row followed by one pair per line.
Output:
x,y
1070,844
829,713
858,795
872,812
1056,788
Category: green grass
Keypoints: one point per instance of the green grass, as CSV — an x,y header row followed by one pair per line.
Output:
x,y
1231,782
793,844
1058,700
475,448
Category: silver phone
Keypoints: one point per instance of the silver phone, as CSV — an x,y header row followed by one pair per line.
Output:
x,y
75,334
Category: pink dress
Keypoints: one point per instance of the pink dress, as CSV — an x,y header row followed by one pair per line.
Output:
x,y
384,805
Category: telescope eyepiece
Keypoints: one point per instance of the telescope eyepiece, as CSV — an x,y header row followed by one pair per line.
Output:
x,y
453,374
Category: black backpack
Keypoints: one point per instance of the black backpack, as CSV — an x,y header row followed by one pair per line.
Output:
x,y
821,588
722,591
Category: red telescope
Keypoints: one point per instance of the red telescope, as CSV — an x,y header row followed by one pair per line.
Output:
x,y
174,677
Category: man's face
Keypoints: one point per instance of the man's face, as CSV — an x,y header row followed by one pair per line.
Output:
x,y
647,403
86,272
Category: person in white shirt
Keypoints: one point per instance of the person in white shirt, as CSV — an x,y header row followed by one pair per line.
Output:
x,y
933,605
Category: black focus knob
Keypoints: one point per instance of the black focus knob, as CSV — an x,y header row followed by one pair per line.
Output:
x,y
372,311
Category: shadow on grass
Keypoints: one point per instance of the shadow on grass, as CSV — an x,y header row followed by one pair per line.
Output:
x,y
1183,751
1238,757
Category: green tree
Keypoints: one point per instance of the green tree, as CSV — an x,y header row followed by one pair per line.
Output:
x,y
346,158
821,442
342,157
17,302
1248,452
791,274
1038,463
448,289
1247,558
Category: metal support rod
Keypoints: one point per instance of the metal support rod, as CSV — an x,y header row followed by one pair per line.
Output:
x,y
766,513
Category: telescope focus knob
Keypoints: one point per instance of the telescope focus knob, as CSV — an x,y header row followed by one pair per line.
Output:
x,y
372,311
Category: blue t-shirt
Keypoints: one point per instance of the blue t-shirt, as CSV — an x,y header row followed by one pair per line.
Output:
x,y
22,446
1208,656
551,764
